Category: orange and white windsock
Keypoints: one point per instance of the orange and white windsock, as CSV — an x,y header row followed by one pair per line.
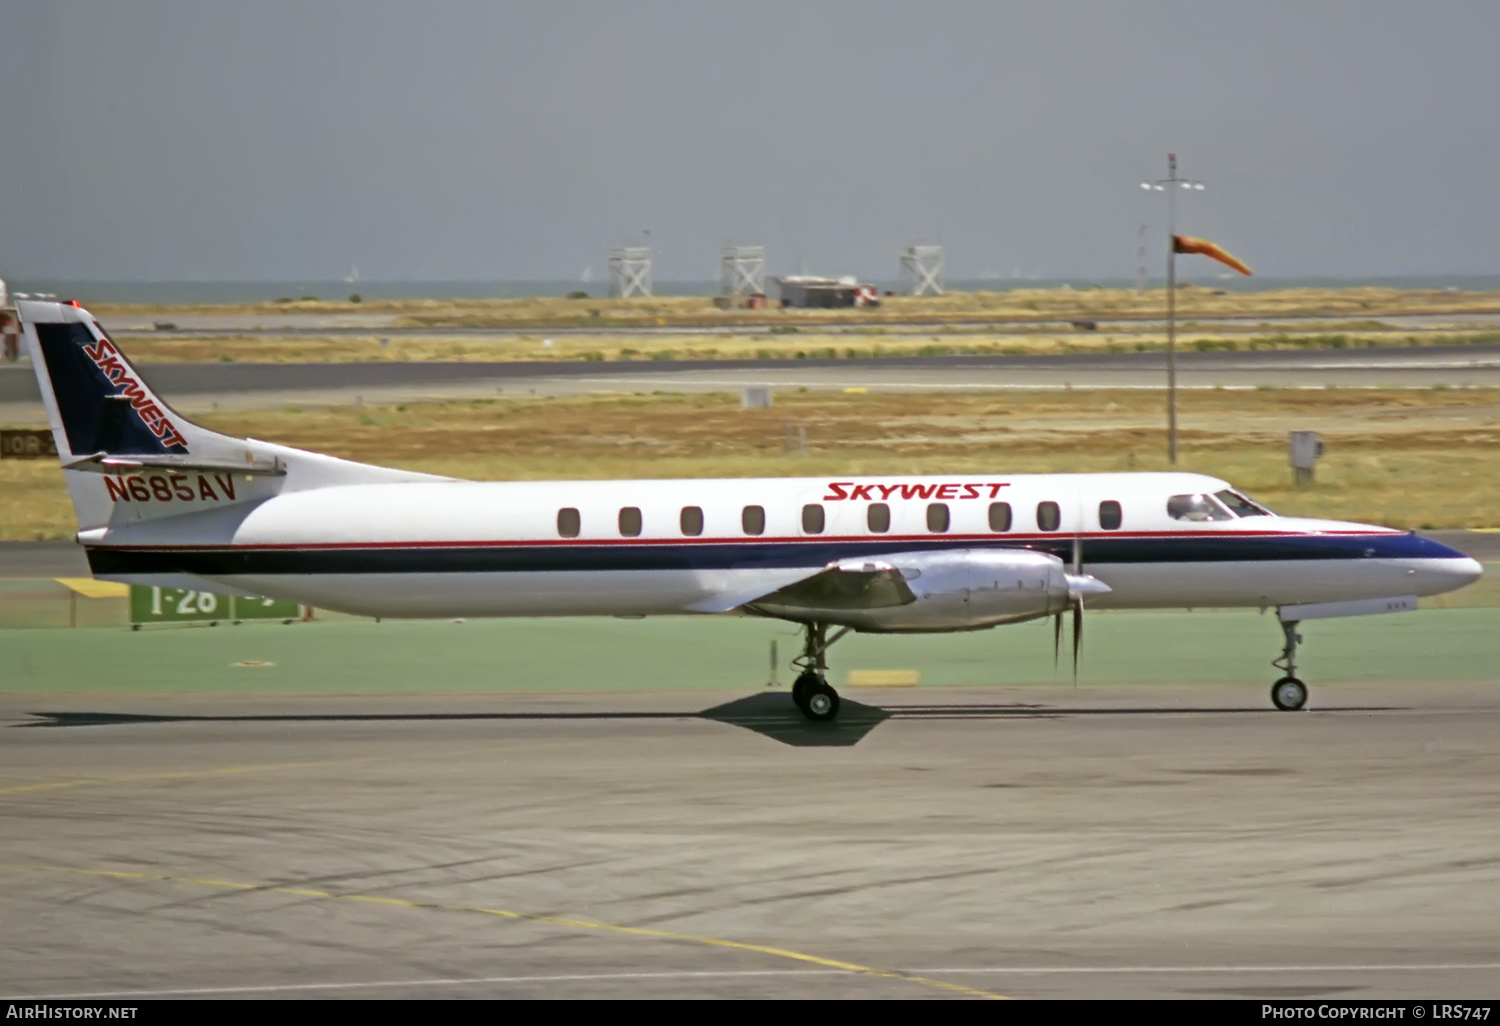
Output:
x,y
1188,244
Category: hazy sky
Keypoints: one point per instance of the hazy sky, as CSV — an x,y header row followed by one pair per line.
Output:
x,y
497,139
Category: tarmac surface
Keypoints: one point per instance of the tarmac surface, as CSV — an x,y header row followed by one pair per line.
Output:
x,y
252,385
1125,841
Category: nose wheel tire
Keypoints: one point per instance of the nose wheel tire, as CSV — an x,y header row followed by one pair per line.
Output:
x,y
799,688
820,703
1289,694
815,698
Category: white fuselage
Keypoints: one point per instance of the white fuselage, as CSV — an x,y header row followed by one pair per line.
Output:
x,y
451,548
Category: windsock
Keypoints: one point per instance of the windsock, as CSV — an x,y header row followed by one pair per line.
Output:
x,y
1188,244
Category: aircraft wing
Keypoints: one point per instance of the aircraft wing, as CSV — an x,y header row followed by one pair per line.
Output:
x,y
848,584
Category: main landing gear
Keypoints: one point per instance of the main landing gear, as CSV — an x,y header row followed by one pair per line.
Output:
x,y
1288,693
811,692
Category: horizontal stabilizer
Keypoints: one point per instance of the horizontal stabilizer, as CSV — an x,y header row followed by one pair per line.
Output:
x,y
103,463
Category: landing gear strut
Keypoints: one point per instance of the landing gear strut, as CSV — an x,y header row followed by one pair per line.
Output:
x,y
1288,693
811,692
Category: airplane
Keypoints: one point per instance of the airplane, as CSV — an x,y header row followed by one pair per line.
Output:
x,y
161,501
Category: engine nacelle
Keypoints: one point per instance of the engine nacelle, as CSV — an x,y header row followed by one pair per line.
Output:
x,y
955,589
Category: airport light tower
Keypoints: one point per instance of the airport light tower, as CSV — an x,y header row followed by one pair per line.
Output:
x,y
1170,185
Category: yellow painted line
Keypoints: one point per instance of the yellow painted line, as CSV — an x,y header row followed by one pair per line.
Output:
x,y
137,778
580,924
884,678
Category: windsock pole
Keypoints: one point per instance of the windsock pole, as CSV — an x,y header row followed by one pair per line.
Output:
x,y
1170,185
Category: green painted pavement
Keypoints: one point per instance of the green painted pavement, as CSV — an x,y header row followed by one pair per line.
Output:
x,y
728,653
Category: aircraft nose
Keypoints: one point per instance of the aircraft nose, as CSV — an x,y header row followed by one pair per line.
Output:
x,y
1464,571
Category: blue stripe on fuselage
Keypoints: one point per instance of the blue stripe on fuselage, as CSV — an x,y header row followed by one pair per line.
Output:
x,y
517,557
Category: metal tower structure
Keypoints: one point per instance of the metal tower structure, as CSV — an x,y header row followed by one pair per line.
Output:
x,y
923,266
630,271
742,271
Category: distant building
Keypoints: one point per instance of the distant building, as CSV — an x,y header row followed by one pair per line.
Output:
x,y
809,291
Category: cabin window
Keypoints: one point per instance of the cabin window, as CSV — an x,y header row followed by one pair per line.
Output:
x,y
937,517
753,519
878,516
1196,508
1241,505
692,521
1109,515
812,518
999,516
568,523
1048,516
630,522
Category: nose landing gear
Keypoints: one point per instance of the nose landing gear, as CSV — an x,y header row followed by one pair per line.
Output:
x,y
1288,694
811,693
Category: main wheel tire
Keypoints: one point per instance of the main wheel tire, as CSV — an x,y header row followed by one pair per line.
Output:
x,y
800,686
820,703
1289,694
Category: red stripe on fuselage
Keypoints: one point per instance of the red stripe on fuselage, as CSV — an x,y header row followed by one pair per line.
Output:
x,y
1056,536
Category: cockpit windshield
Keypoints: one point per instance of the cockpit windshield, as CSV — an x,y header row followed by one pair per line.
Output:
x,y
1196,507
1242,505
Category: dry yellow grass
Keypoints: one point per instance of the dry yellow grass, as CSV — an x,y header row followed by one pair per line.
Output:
x,y
954,308
1402,457
728,345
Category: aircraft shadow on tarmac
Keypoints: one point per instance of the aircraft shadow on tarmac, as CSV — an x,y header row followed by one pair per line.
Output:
x,y
771,714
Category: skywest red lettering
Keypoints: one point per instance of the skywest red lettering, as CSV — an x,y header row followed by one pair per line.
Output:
x,y
839,490
107,358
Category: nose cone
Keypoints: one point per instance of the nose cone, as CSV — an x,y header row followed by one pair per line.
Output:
x,y
1085,585
1463,571
1446,567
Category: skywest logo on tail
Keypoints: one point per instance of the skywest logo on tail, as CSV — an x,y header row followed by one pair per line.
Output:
x,y
107,358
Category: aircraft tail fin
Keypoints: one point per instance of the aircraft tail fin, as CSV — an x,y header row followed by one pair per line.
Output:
x,y
129,456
